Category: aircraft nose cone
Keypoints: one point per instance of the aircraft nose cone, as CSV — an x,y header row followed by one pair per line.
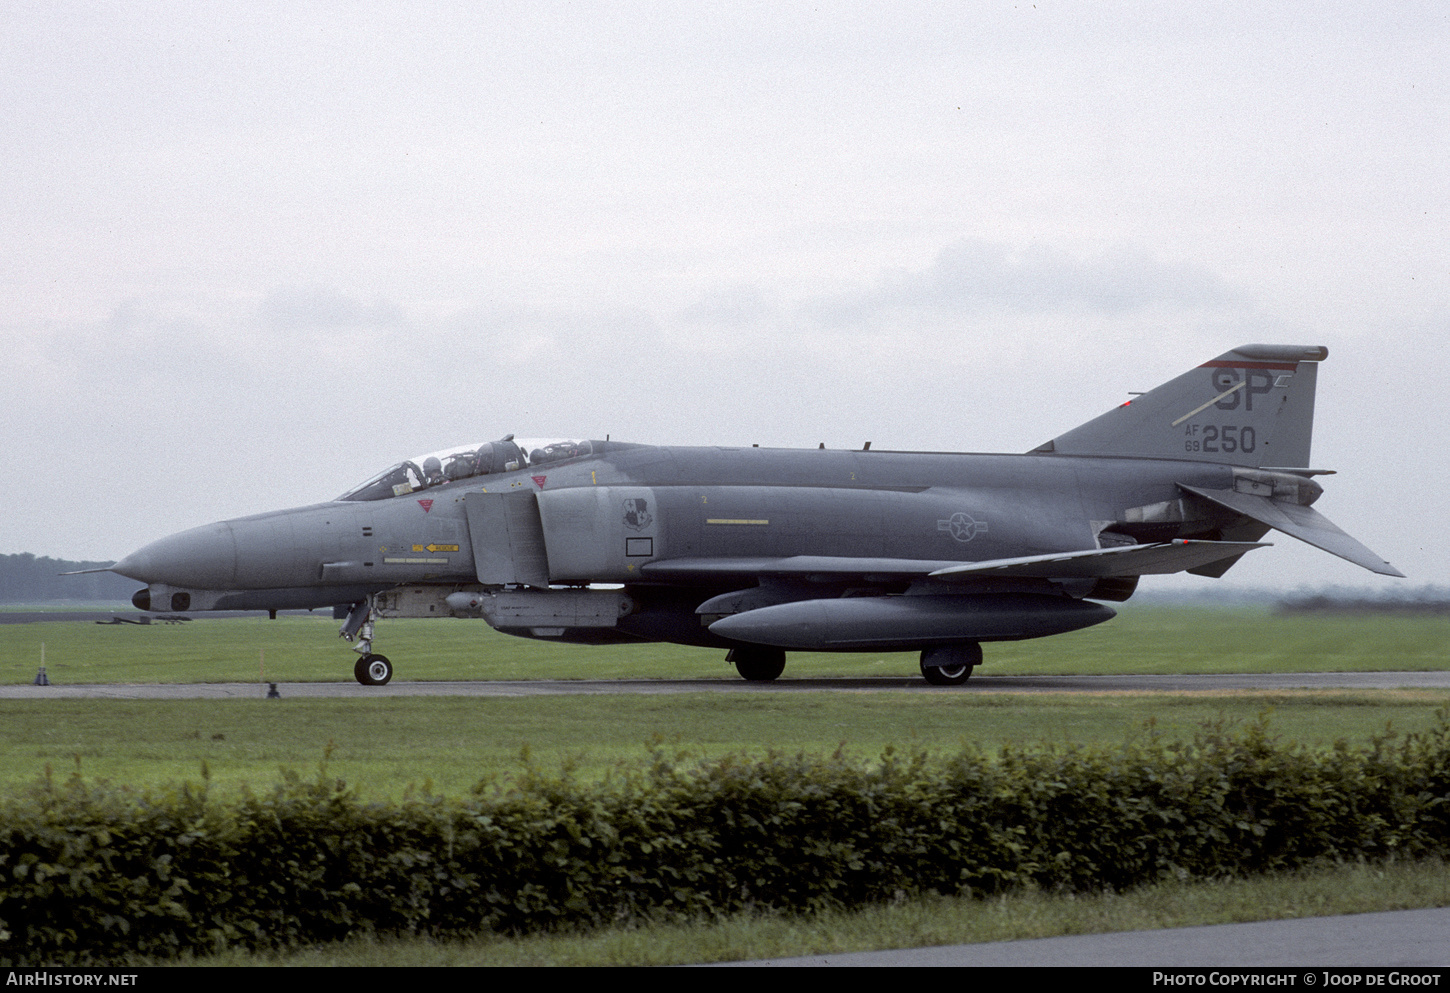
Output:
x,y
202,558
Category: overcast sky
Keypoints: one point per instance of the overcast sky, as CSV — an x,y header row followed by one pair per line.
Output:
x,y
253,253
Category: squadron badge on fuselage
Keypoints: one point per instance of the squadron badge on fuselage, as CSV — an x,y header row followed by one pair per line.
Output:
x,y
636,514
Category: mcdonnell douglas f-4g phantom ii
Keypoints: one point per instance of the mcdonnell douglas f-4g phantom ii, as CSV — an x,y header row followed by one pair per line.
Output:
x,y
759,551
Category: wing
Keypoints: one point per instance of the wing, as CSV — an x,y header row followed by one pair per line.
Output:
x,y
1156,559
1127,560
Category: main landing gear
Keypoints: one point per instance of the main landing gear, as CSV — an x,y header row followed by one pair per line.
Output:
x,y
758,665
942,665
372,669
950,665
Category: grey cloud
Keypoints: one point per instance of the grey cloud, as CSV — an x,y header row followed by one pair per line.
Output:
x,y
515,331
974,275
733,307
314,308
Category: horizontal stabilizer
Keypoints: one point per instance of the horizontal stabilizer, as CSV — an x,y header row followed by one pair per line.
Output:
x,y
1304,523
1122,560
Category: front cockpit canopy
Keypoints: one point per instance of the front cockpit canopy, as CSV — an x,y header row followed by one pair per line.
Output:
x,y
453,464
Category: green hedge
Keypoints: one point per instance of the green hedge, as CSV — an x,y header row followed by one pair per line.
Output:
x,y
96,873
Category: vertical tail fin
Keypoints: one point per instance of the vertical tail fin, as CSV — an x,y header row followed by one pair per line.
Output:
x,y
1252,406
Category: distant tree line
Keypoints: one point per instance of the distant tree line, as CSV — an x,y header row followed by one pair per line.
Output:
x,y
25,578
1420,600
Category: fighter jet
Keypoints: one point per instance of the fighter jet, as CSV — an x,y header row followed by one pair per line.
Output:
x,y
760,551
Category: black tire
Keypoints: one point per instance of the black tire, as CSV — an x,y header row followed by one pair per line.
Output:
x,y
373,670
758,665
950,665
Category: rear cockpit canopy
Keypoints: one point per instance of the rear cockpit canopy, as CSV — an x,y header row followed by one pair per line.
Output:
x,y
465,462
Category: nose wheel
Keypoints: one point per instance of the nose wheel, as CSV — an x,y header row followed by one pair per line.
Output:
x,y
373,670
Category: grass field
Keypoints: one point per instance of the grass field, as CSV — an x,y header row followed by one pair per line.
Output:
x,y
301,649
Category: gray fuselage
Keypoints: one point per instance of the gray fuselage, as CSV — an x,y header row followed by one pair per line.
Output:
x,y
640,515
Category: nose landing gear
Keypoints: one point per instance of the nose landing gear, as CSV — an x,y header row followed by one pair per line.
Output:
x,y
372,669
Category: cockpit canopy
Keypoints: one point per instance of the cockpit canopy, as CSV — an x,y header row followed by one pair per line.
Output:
x,y
465,462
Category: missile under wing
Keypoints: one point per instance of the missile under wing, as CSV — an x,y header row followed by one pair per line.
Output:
x,y
759,551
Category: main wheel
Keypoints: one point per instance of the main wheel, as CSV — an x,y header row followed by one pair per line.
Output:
x,y
758,665
373,670
950,665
